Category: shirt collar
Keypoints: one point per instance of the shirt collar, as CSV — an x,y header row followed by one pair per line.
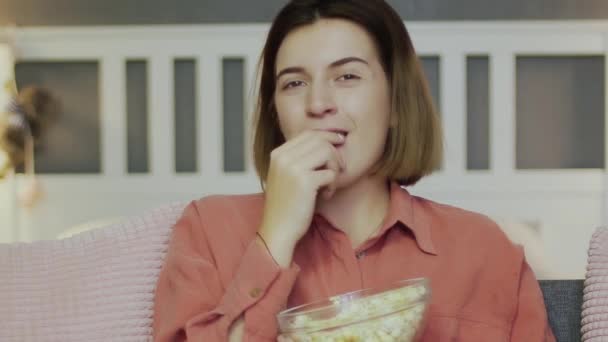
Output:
x,y
404,212
405,209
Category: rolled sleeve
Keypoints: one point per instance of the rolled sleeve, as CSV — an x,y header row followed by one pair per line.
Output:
x,y
192,304
258,280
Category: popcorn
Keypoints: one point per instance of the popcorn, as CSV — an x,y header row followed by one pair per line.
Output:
x,y
393,315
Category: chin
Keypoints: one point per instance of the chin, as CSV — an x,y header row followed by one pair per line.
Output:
x,y
347,179
353,176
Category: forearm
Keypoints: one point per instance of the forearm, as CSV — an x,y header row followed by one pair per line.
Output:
x,y
280,251
237,330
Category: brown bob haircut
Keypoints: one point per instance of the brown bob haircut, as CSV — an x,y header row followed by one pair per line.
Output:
x,y
414,145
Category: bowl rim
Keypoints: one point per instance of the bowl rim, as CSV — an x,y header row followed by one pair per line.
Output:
x,y
297,310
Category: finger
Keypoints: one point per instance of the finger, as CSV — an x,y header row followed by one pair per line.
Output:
x,y
340,160
332,164
311,136
292,150
335,140
313,151
323,178
328,192
317,144
318,158
337,157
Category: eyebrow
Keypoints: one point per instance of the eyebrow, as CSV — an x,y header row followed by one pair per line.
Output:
x,y
335,64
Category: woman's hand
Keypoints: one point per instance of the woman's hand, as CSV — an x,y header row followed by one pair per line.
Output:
x,y
299,170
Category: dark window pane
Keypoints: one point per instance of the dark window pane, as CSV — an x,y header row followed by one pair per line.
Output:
x,y
234,118
137,117
560,112
185,116
478,110
71,144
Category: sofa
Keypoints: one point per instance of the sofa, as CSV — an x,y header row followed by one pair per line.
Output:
x,y
564,299
99,285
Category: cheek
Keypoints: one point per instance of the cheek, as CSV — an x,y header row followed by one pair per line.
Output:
x,y
369,108
289,120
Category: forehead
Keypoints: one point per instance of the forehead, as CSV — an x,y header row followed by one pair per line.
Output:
x,y
323,42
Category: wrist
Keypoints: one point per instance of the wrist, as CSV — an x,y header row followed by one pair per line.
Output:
x,y
280,251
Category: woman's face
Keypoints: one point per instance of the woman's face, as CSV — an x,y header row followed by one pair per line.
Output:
x,y
329,76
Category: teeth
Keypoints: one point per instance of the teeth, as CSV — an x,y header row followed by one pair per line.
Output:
x,y
342,135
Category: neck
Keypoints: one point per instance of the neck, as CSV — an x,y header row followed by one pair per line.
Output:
x,y
358,209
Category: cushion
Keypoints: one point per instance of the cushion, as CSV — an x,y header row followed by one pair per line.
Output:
x,y
89,225
594,324
95,286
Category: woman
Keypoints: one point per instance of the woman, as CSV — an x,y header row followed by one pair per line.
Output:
x,y
344,122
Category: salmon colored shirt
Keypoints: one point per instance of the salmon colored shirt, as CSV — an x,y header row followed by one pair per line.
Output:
x,y
214,272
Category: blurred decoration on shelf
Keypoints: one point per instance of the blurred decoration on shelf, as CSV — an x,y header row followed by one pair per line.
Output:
x,y
24,118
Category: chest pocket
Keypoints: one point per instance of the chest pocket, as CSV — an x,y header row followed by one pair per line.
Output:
x,y
450,329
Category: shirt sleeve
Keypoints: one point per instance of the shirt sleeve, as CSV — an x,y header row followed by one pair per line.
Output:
x,y
192,304
531,322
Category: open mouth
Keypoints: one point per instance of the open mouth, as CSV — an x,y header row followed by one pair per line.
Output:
x,y
343,134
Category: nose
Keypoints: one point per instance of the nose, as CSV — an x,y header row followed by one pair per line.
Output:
x,y
320,101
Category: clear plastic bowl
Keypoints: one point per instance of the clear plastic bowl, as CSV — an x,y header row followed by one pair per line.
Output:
x,y
391,313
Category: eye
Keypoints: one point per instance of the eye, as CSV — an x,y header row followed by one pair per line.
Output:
x,y
348,77
293,84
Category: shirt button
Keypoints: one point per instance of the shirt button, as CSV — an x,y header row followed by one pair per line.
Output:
x,y
360,255
255,292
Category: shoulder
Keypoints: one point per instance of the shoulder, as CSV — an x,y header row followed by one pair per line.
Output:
x,y
455,220
222,219
221,205
220,225
215,230
474,247
483,266
467,232
230,212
